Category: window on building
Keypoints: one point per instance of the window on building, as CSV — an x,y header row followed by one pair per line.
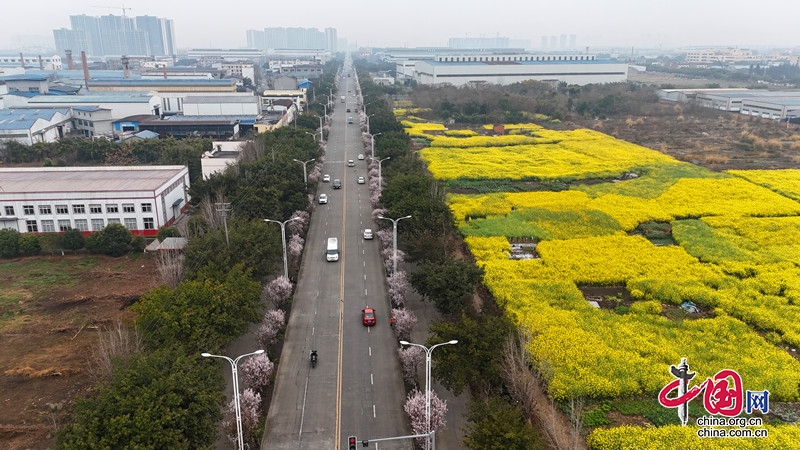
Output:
x,y
64,225
130,224
97,224
62,209
113,220
112,208
82,224
47,226
149,224
45,209
32,228
95,209
27,209
128,208
147,207
79,209
9,210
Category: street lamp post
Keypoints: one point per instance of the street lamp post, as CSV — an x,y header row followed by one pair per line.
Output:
x,y
234,363
368,120
380,161
305,176
283,240
314,135
428,352
394,239
372,138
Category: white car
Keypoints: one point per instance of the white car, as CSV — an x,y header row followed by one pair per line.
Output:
x,y
367,233
360,156
323,199
350,163
361,180
326,178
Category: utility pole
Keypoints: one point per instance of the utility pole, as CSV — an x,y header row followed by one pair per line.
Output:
x,y
224,209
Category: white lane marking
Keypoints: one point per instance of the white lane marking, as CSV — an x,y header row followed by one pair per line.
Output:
x,y
370,348
365,276
371,380
303,413
365,292
313,330
365,264
373,411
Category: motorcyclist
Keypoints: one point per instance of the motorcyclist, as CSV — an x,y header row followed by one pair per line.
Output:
x,y
313,357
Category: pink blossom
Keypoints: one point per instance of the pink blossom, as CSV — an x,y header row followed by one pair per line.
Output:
x,y
258,371
415,408
398,287
250,407
271,326
410,360
404,321
277,291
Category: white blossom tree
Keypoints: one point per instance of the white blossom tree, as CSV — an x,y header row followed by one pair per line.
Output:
x,y
410,359
415,408
271,326
277,291
258,371
398,287
250,405
300,225
295,249
404,321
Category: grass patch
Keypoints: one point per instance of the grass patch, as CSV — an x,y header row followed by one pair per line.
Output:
x,y
654,412
38,276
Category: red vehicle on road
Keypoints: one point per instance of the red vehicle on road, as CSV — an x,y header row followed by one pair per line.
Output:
x,y
368,316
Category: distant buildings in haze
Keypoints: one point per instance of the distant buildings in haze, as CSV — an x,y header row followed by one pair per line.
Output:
x,y
293,38
117,35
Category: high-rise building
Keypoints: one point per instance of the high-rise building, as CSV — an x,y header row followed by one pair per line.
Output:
x,y
293,38
572,42
553,42
331,39
544,42
562,42
117,35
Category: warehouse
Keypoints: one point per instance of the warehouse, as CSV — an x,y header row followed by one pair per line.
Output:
x,y
54,199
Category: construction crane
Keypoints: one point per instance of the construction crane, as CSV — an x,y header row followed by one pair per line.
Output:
x,y
122,7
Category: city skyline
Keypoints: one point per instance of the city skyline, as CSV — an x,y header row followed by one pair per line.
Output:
x,y
613,23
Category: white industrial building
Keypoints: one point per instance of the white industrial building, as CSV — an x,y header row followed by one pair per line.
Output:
x,y
31,126
772,108
458,70
54,199
121,104
222,105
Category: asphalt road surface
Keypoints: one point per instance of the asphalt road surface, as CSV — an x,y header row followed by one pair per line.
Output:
x,y
356,387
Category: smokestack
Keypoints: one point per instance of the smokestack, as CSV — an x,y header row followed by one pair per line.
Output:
x,y
41,64
165,71
85,69
22,60
126,68
69,59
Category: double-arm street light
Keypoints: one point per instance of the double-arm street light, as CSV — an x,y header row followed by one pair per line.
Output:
x,y
428,352
314,135
380,162
305,173
234,363
394,239
283,241
372,139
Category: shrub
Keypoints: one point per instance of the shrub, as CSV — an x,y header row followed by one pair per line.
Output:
x,y
9,243
113,240
72,239
29,244
166,232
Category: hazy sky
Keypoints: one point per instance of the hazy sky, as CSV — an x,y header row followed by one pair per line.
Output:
x,y
623,23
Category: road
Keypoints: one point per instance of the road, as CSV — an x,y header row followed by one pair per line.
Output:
x,y
356,387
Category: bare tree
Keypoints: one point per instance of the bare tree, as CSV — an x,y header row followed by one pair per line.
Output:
x,y
170,267
117,343
527,388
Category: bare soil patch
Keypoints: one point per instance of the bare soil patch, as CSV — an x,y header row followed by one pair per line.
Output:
x,y
48,331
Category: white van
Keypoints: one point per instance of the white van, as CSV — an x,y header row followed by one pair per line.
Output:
x,y
332,253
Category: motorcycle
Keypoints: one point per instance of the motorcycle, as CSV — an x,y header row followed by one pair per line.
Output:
x,y
313,358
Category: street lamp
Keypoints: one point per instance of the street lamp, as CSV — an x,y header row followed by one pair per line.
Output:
x,y
305,176
380,161
394,239
372,138
428,352
283,239
314,135
368,121
234,362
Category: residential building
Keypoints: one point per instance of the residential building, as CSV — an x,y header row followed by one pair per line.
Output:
x,y
293,38
721,56
55,199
